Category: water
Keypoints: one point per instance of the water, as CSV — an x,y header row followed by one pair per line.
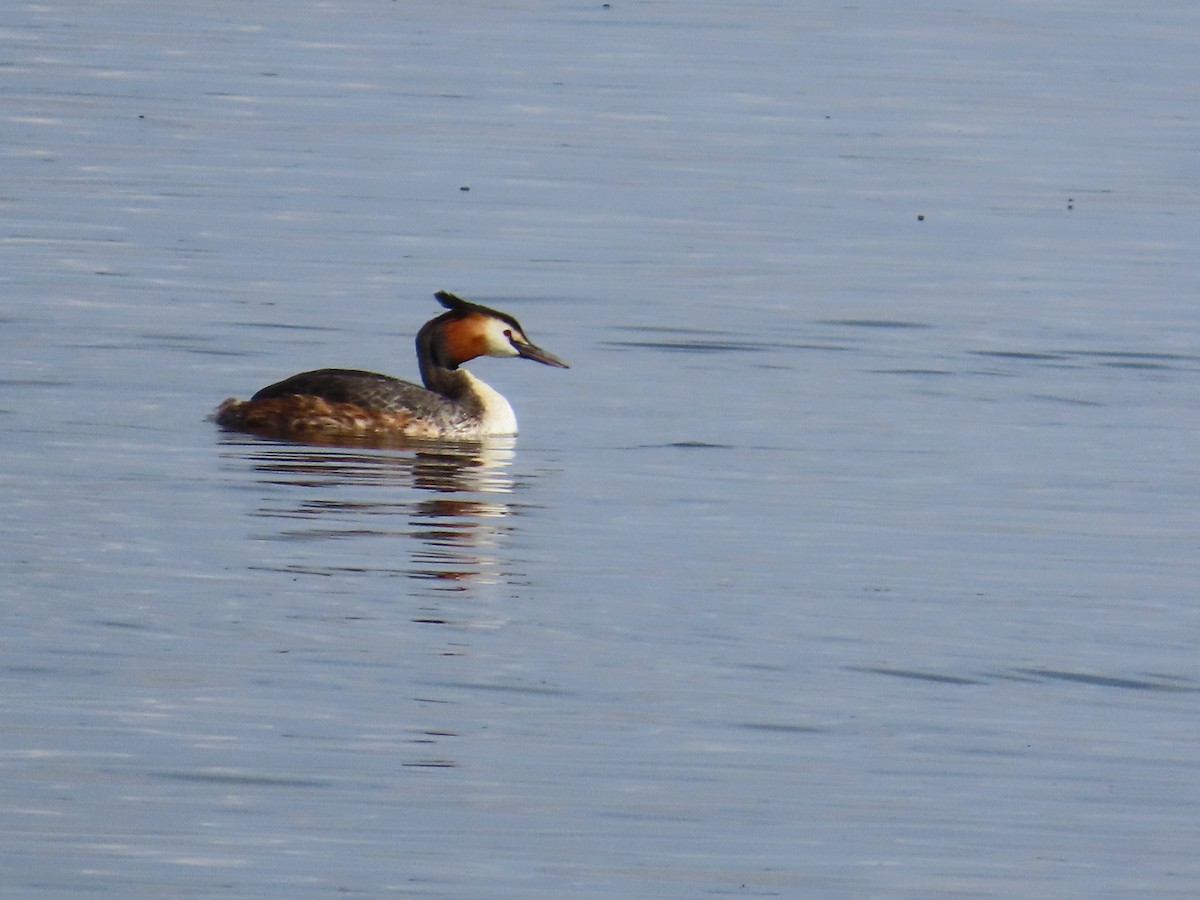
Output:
x,y
854,557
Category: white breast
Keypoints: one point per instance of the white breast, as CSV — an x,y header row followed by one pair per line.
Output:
x,y
498,416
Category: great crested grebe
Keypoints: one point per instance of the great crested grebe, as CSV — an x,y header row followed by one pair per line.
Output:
x,y
347,402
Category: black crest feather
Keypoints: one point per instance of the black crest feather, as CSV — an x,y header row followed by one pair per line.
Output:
x,y
457,304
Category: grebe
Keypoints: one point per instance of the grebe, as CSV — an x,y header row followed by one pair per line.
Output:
x,y
346,402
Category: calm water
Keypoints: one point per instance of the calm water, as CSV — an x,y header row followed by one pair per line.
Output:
x,y
856,555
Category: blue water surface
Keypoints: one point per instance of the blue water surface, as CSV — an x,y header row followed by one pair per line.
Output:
x,y
855,556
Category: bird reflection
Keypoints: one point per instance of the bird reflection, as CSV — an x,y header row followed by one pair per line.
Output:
x,y
453,498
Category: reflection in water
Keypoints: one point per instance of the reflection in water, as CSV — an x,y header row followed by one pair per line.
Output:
x,y
451,497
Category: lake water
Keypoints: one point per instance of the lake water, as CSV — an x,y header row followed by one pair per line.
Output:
x,y
855,556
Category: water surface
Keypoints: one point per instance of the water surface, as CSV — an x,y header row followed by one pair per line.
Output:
x,y
854,557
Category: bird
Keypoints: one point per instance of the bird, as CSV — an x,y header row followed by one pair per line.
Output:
x,y
328,404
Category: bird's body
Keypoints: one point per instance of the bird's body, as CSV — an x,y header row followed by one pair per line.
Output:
x,y
453,403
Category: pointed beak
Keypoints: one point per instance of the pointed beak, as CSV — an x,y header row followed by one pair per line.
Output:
x,y
526,350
